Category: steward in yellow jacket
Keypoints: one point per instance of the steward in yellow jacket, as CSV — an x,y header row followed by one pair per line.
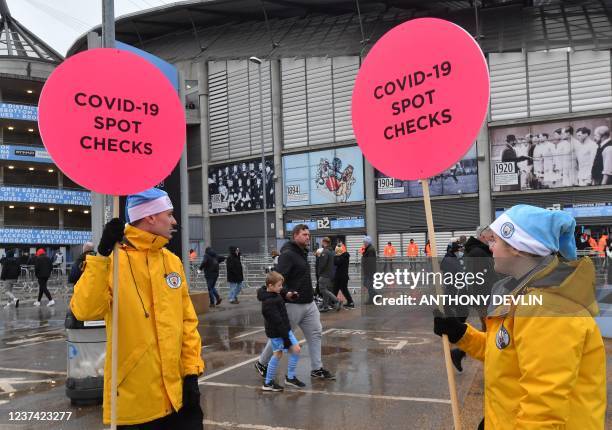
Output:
x,y
544,364
159,344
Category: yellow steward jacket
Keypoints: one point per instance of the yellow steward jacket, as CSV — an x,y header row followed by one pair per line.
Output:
x,y
159,342
544,365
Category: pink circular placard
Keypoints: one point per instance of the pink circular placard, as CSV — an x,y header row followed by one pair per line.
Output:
x,y
111,121
420,98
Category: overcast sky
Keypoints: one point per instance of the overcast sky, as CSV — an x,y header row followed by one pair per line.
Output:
x,y
60,22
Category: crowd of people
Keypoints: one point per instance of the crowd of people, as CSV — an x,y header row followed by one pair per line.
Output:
x,y
42,266
563,158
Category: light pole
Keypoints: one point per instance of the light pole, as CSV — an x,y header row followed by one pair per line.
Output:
x,y
258,61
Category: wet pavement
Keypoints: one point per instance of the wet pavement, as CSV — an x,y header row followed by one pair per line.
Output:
x,y
389,367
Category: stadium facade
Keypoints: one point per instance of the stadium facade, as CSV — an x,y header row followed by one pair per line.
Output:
x,y
551,88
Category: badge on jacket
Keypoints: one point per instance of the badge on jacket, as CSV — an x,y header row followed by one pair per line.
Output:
x,y
502,338
174,280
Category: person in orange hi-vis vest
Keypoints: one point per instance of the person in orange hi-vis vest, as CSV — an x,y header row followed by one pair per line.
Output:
x,y
428,249
390,250
603,242
593,244
412,251
389,253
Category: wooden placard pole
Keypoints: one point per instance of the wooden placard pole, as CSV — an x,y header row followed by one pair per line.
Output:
x,y
115,324
445,343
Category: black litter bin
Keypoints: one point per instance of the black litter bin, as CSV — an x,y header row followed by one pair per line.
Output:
x,y
86,342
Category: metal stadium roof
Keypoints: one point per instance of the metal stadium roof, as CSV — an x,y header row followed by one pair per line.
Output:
x,y
16,41
276,28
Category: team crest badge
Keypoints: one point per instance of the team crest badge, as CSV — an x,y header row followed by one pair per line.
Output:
x,y
174,280
507,230
502,338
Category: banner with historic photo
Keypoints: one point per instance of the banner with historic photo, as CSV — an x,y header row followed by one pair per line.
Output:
x,y
571,153
238,187
330,176
461,178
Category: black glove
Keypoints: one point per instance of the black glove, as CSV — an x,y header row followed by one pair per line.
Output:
x,y
191,391
112,233
450,326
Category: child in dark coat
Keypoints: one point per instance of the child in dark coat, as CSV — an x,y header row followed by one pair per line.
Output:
x,y
278,330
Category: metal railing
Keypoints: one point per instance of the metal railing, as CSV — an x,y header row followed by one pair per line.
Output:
x,y
254,269
26,287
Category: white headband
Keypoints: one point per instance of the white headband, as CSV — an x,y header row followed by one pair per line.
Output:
x,y
151,207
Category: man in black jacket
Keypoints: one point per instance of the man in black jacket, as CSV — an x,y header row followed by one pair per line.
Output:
x,y
368,268
79,264
478,259
326,275
509,155
10,274
341,277
303,312
42,270
210,266
235,276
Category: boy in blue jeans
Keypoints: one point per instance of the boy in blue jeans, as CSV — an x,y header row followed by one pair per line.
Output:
x,y
278,329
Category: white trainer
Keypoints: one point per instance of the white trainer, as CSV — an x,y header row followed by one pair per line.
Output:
x,y
37,303
51,303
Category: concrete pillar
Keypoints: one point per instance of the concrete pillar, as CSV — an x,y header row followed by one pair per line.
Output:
x,y
370,199
97,217
484,176
1,207
60,179
184,180
277,124
60,216
205,145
